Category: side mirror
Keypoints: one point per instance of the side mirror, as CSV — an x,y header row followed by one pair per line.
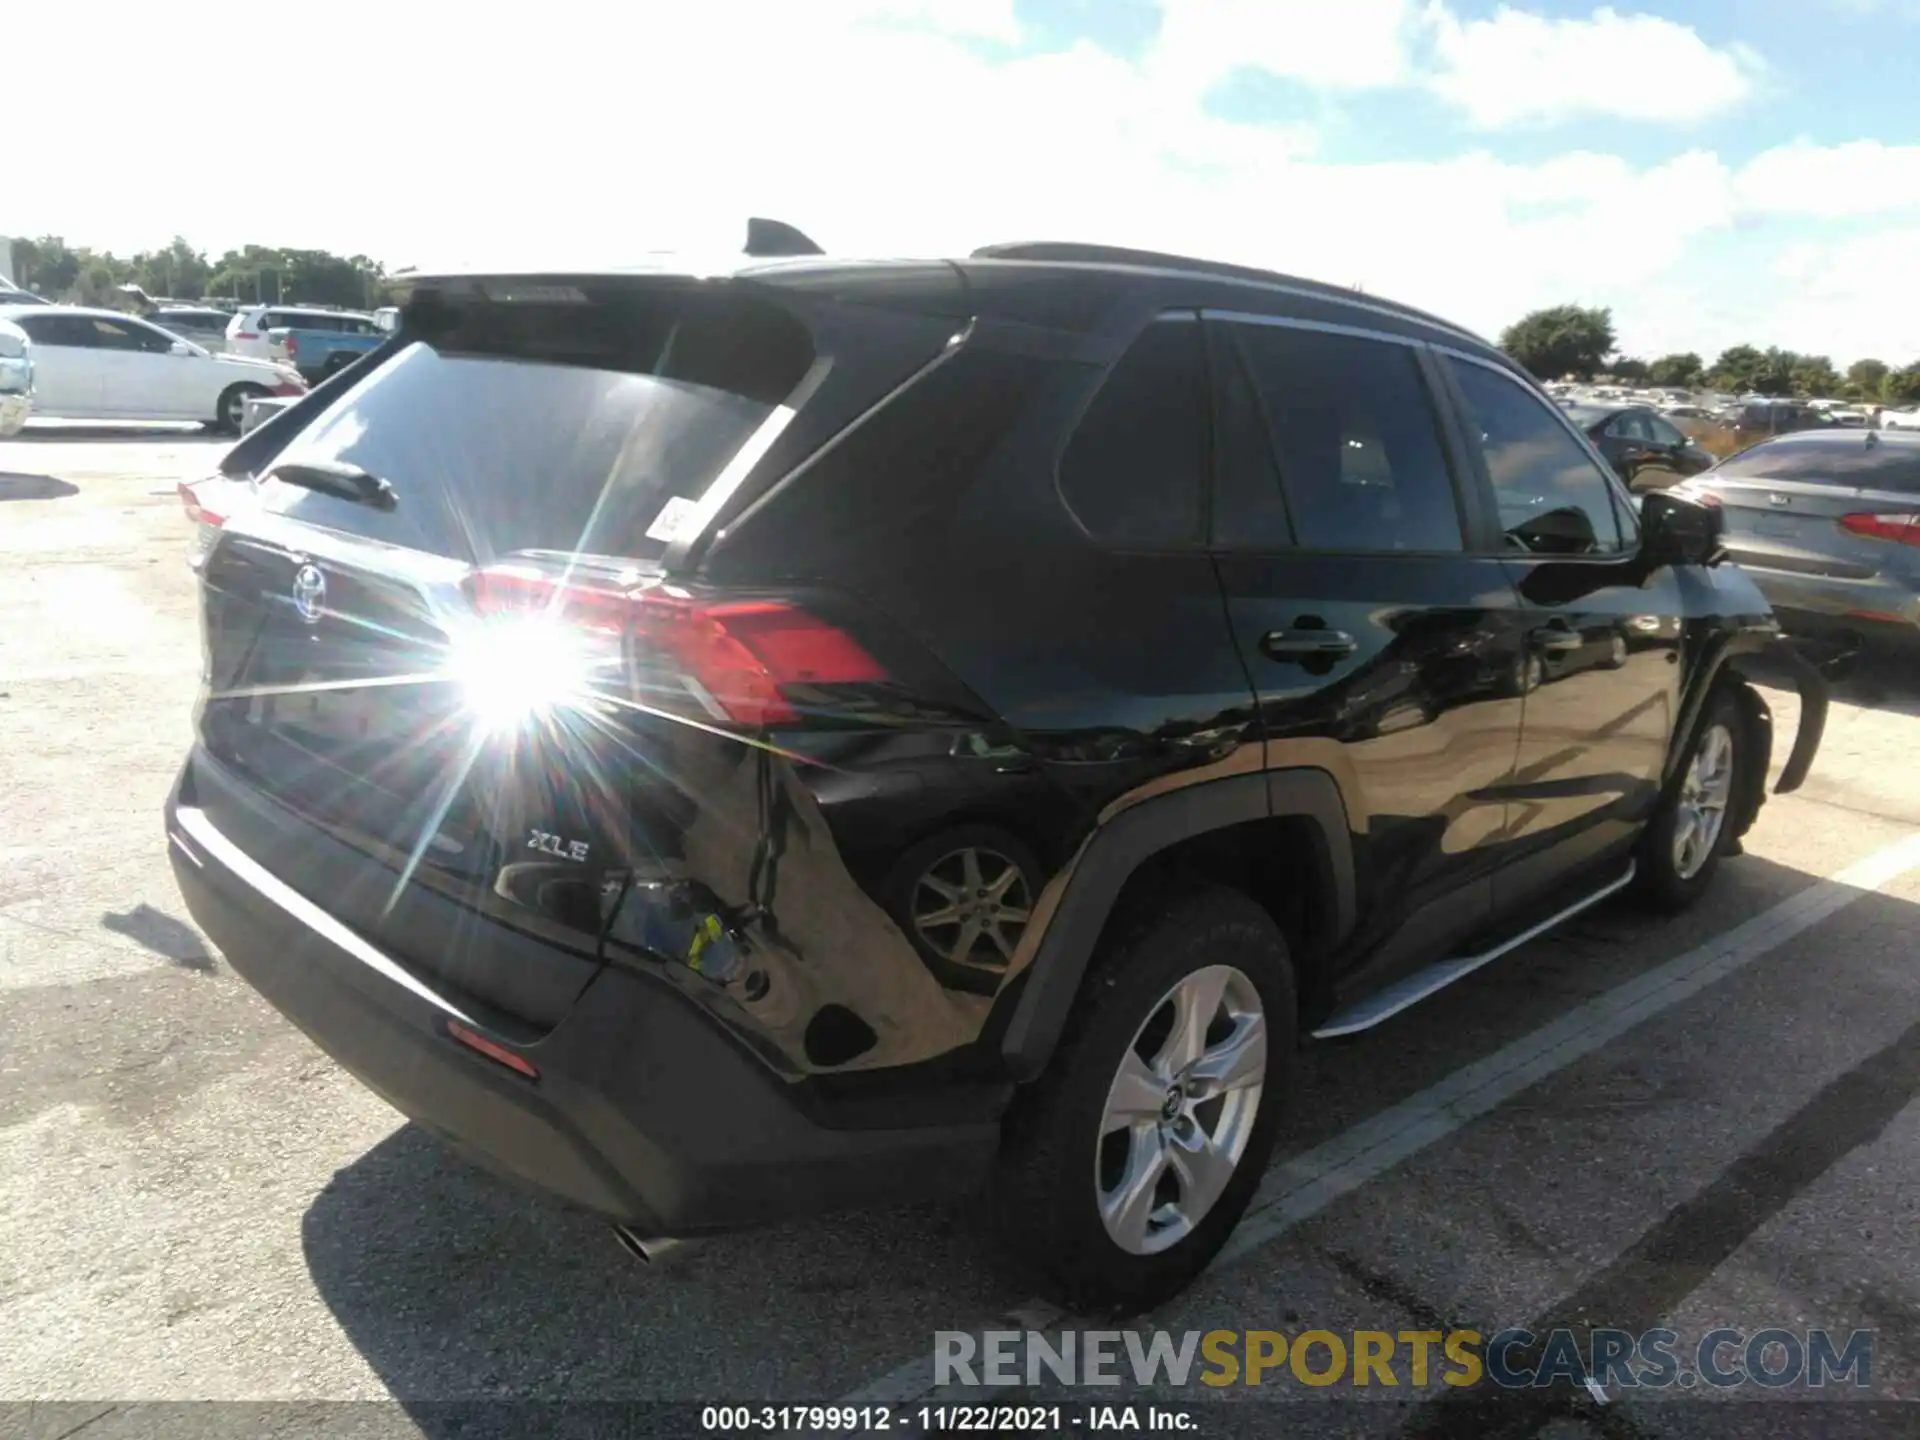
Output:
x,y
1679,530
180,347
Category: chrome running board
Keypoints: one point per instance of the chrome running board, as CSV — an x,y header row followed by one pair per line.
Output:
x,y
1384,1004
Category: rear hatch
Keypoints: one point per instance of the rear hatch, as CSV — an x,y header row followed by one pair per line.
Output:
x,y
1820,505
445,634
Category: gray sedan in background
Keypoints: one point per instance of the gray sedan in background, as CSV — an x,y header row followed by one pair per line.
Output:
x,y
1828,524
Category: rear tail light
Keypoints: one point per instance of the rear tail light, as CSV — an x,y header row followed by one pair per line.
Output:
x,y
1902,529
247,335
293,345
198,511
747,661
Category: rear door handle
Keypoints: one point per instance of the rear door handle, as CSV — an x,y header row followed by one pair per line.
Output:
x,y
1307,645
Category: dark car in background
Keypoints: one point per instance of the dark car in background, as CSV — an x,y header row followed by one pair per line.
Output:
x,y
1648,451
1828,524
724,745
1754,420
205,325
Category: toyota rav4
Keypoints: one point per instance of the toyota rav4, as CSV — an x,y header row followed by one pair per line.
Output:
x,y
737,743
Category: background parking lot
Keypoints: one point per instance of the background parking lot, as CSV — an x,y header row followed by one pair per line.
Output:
x,y
196,1204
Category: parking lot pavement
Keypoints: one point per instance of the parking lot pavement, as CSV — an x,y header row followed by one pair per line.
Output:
x,y
1633,1123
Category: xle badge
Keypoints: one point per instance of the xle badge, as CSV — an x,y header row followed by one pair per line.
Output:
x,y
557,846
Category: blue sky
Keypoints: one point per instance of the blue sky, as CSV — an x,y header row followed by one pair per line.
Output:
x,y
1716,171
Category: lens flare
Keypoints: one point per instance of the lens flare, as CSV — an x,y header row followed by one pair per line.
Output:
x,y
517,668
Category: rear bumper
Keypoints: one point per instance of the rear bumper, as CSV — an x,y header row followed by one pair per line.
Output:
x,y
643,1111
1817,605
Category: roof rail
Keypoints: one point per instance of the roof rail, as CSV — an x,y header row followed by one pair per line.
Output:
x,y
1070,252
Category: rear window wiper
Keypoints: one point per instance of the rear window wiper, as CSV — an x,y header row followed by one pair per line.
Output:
x,y
334,477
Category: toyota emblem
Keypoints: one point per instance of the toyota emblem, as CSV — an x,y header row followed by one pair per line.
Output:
x,y
310,593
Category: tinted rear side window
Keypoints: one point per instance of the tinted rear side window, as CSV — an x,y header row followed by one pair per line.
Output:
x,y
498,439
1360,458
1133,470
1851,463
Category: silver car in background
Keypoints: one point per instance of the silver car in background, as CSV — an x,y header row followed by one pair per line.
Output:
x,y
1827,522
16,378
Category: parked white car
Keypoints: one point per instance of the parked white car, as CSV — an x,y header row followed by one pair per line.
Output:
x,y
247,331
102,365
16,379
1900,419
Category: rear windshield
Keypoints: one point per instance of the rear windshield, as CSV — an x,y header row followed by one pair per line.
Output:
x,y
1852,464
539,427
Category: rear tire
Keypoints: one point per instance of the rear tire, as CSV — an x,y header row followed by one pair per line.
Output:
x,y
1683,844
1194,993
232,408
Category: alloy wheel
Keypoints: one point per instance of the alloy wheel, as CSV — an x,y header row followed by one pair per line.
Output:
x,y
1180,1110
1702,811
971,906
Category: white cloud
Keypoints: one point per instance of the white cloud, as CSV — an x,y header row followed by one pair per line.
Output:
x,y
1863,177
1515,67
1333,44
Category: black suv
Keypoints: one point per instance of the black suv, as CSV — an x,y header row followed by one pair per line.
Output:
x,y
719,747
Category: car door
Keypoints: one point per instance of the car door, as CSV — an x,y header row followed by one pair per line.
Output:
x,y
1384,644
66,369
1603,629
141,377
1131,609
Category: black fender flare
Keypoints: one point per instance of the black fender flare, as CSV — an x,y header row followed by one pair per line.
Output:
x,y
1117,849
1725,656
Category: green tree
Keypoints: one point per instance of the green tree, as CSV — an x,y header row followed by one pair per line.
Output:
x,y
1682,369
1901,387
1814,375
315,277
1736,368
1628,370
1560,341
1864,377
179,271
50,267
1775,374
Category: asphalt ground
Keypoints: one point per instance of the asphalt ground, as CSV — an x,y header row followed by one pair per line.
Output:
x,y
1634,1124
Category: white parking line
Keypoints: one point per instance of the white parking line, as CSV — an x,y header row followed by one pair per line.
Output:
x,y
1306,1184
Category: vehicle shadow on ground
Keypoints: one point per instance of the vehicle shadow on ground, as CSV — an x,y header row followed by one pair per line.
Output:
x,y
456,1286
35,487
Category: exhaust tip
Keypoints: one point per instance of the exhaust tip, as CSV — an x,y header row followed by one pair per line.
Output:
x,y
647,1249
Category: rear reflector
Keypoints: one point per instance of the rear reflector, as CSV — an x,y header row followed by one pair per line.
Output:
x,y
486,1047
247,335
740,660
1902,529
